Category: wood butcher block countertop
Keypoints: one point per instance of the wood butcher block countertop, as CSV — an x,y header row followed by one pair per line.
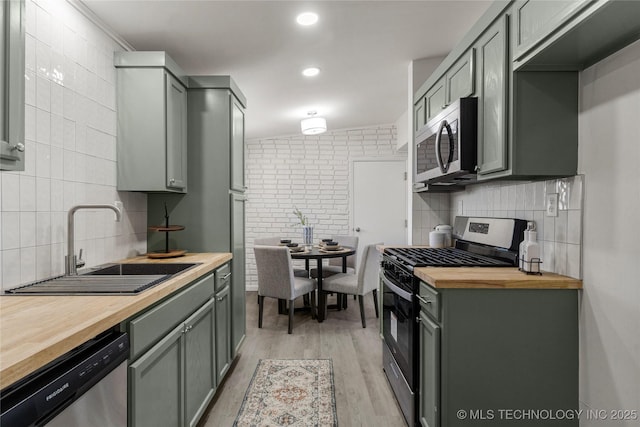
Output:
x,y
492,278
34,330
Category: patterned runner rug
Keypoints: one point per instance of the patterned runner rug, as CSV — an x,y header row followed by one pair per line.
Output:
x,y
290,393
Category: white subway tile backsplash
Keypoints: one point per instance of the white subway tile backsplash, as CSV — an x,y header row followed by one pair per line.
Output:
x,y
43,194
27,264
43,160
43,262
549,228
10,230
561,225
43,126
27,229
43,228
10,192
43,93
30,88
27,193
67,58
560,237
57,133
574,227
30,123
43,25
10,268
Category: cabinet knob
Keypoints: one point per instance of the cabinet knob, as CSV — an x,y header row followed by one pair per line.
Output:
x,y
18,147
477,169
172,181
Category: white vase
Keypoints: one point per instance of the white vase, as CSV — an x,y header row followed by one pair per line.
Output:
x,y
307,235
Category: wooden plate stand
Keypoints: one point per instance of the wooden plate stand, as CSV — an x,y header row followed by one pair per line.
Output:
x,y
166,229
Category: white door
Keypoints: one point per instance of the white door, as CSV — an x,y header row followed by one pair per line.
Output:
x,y
378,202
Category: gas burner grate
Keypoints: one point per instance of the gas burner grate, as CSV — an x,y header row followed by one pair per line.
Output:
x,y
444,257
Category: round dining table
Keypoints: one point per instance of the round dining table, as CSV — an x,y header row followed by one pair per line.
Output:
x,y
321,254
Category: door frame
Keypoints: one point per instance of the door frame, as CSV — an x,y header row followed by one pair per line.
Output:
x,y
396,158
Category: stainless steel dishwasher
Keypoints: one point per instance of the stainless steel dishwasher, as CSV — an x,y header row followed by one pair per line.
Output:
x,y
83,388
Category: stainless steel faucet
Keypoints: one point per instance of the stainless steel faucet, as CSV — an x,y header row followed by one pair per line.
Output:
x,y
70,266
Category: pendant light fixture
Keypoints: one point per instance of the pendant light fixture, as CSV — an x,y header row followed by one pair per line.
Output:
x,y
313,125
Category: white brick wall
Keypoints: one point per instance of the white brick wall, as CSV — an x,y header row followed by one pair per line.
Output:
x,y
70,132
307,172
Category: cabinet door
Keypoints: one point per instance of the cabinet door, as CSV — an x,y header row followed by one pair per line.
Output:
x,y
12,36
200,362
435,99
176,134
535,20
420,114
238,322
492,98
156,383
429,401
460,78
237,145
223,332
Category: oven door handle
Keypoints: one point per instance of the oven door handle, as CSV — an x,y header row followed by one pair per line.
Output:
x,y
396,290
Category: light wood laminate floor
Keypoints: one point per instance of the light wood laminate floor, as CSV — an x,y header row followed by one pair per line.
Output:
x,y
363,395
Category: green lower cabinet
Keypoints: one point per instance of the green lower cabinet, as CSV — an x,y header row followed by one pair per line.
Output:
x,y
156,382
429,402
497,354
183,367
223,332
200,362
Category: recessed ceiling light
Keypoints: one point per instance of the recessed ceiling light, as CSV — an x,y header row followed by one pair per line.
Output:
x,y
311,71
307,18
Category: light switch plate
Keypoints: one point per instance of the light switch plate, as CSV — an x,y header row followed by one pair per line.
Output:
x,y
551,204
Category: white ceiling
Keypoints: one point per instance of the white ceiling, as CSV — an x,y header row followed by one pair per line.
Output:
x,y
363,49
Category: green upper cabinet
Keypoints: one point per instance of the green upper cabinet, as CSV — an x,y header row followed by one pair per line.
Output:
x,y
151,100
237,144
492,98
435,99
12,65
459,80
571,35
419,114
176,133
535,20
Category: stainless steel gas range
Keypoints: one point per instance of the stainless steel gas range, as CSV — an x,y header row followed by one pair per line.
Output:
x,y
480,242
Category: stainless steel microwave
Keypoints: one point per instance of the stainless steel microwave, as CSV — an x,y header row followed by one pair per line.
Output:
x,y
445,149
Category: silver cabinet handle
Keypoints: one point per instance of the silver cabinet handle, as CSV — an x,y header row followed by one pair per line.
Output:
x,y
418,320
172,181
226,276
422,300
221,298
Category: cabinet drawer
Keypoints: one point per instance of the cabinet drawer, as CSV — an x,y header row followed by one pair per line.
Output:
x,y
223,276
148,328
430,301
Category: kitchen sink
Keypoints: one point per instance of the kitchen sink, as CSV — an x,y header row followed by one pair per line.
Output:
x,y
114,279
139,269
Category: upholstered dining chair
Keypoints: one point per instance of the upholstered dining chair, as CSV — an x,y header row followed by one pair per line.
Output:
x,y
276,280
335,264
275,241
360,284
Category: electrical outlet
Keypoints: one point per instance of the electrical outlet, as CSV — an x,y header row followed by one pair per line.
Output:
x,y
460,209
552,204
